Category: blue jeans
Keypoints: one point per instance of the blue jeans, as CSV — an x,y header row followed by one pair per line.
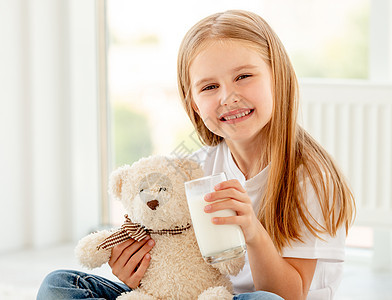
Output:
x,y
66,284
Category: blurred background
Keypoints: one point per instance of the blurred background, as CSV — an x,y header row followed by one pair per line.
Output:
x,y
87,86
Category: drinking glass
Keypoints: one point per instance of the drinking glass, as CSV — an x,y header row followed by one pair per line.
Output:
x,y
217,243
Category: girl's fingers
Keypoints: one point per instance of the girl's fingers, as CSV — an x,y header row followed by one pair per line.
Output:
x,y
136,258
122,252
118,250
239,207
232,183
238,220
135,279
226,193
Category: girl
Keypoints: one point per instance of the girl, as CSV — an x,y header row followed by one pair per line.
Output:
x,y
240,91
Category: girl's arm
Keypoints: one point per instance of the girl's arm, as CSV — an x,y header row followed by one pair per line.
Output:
x,y
290,278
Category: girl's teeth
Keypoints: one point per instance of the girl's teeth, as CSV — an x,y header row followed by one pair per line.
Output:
x,y
237,116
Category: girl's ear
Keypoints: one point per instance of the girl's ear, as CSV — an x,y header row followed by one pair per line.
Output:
x,y
195,108
116,181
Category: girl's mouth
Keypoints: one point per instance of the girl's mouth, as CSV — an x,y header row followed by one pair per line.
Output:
x,y
237,117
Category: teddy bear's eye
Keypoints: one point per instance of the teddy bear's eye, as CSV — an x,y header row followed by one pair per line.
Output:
x,y
162,189
141,190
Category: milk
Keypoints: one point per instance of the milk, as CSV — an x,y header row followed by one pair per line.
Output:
x,y
216,242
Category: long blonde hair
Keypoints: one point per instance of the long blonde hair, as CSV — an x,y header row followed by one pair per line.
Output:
x,y
293,155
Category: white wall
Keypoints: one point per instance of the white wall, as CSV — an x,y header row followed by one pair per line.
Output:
x,y
49,175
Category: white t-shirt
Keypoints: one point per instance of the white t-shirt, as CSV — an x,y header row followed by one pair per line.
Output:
x,y
329,253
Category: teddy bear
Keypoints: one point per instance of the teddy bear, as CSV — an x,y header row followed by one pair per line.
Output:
x,y
153,195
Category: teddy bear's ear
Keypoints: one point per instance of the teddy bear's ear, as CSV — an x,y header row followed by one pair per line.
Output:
x,y
116,181
190,168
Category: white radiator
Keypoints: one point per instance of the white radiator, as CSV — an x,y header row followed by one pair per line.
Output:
x,y
354,123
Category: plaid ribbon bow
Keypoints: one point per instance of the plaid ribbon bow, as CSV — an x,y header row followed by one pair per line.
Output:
x,y
136,231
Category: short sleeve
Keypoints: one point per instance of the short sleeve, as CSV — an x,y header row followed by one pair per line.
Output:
x,y
330,249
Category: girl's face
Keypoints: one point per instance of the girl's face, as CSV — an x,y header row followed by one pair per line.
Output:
x,y
231,90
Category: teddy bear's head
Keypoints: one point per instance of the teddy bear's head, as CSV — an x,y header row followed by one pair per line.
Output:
x,y
152,190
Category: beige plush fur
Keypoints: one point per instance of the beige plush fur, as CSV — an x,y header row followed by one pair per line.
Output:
x,y
177,269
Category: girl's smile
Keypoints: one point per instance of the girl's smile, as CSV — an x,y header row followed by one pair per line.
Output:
x,y
236,116
231,90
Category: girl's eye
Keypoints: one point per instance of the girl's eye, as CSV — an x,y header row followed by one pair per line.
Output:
x,y
209,87
243,76
162,189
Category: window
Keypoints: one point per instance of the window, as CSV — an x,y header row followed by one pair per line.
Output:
x,y
325,39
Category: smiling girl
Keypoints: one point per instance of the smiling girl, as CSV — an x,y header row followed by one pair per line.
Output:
x,y
294,206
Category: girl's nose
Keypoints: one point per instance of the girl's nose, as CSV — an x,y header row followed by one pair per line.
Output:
x,y
229,97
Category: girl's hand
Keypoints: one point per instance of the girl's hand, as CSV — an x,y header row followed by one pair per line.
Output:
x,y
231,195
130,259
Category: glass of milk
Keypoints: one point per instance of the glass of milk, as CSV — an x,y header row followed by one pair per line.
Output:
x,y
217,243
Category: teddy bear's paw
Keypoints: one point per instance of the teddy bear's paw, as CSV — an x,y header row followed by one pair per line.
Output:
x,y
135,295
87,253
215,293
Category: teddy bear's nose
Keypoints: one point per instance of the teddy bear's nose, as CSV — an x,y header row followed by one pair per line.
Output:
x,y
153,204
